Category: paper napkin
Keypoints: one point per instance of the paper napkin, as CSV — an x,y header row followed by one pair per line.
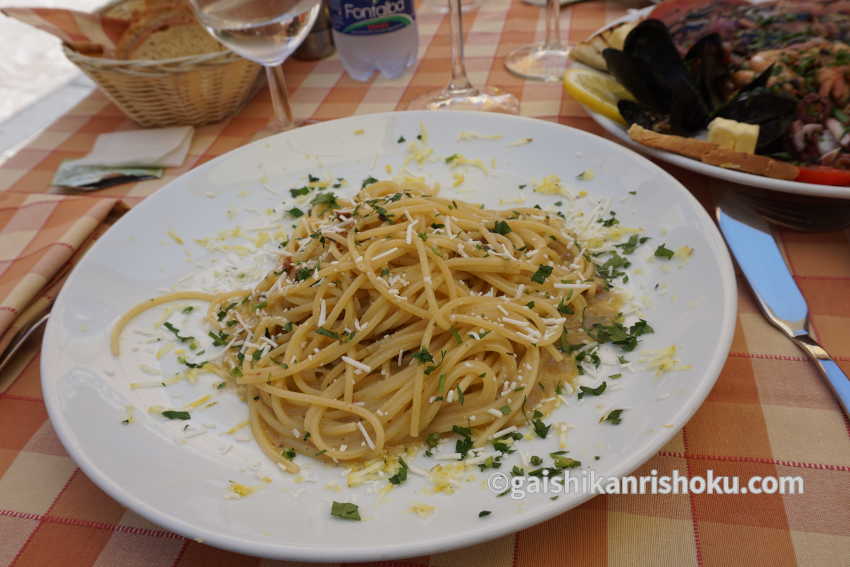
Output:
x,y
126,156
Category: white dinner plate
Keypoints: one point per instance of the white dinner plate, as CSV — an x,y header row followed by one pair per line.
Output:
x,y
180,481
759,181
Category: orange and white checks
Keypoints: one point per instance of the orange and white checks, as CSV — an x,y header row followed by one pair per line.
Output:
x,y
769,414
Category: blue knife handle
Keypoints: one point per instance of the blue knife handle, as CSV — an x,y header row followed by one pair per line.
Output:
x,y
838,380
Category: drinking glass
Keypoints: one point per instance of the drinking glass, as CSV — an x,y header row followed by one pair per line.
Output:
x,y
459,94
263,31
542,61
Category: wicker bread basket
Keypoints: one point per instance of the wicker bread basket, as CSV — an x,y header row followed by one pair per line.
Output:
x,y
191,90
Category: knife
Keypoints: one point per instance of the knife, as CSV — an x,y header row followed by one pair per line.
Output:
x,y
748,236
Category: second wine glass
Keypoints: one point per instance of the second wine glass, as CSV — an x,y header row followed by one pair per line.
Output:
x,y
542,61
263,31
459,94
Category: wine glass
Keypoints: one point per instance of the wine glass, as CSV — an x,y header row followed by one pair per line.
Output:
x,y
263,31
465,5
459,94
542,61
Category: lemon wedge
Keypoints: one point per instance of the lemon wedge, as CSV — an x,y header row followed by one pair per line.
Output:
x,y
596,90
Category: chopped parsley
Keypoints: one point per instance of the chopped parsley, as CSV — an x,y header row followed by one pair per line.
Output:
x,y
223,312
302,274
182,360
530,305
587,391
540,428
613,267
345,511
171,414
541,274
326,200
505,409
382,212
565,309
401,475
535,460
299,191
464,444
625,338
632,243
456,335
613,417
176,332
563,462
441,384
517,471
326,333
663,252
295,212
368,181
610,221
219,339
452,158
289,454
431,441
484,513
401,140
615,376
501,227
187,310
423,356
459,394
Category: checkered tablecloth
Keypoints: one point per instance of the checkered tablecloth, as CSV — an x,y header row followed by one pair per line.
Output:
x,y
769,414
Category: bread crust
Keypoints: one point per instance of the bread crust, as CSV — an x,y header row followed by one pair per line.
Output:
x,y
156,17
713,154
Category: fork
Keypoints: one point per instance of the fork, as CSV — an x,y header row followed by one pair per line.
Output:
x,y
800,212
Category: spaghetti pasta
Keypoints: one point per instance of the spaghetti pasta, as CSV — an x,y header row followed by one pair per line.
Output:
x,y
399,315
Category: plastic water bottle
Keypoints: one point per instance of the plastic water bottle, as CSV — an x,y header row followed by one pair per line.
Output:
x,y
375,35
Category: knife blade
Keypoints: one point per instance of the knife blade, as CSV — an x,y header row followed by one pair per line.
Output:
x,y
752,244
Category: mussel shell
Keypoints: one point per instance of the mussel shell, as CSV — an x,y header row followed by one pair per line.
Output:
x,y
652,69
708,66
635,113
638,79
773,113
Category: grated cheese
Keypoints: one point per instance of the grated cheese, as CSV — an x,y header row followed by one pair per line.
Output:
x,y
357,364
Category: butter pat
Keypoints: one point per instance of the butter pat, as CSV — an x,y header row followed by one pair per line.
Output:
x,y
733,135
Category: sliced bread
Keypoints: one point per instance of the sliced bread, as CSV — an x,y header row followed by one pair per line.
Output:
x,y
166,33
713,154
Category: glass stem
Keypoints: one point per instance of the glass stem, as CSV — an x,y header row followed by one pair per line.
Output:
x,y
280,99
553,25
459,82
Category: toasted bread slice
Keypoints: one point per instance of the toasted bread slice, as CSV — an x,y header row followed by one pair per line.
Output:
x,y
128,10
590,50
713,154
752,163
166,33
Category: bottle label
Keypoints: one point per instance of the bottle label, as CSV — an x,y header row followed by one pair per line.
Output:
x,y
371,17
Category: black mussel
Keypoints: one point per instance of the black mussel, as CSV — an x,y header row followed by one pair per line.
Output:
x,y
635,113
708,65
638,79
773,113
652,69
